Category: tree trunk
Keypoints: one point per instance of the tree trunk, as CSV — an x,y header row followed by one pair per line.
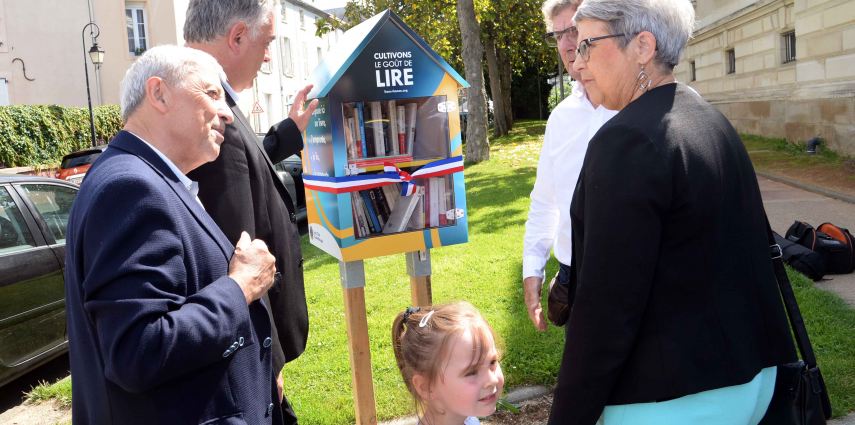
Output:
x,y
505,74
477,145
500,126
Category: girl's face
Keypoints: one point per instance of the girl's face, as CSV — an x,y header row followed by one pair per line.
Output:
x,y
465,389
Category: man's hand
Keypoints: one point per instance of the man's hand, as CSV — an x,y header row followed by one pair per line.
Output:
x,y
252,267
280,386
299,115
532,286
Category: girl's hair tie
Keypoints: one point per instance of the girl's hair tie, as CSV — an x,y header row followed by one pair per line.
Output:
x,y
409,311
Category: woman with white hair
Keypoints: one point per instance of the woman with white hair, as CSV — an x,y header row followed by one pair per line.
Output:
x,y
677,317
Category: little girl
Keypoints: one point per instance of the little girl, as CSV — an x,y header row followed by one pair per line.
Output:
x,y
448,359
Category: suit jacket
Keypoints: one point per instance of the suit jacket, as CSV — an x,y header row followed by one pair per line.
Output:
x,y
675,289
242,192
158,333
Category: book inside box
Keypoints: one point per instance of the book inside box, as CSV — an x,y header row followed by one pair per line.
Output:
x,y
385,210
406,132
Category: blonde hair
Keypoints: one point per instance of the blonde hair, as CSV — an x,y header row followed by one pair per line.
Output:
x,y
422,338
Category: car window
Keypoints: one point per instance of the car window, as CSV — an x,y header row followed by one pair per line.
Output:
x,y
53,202
14,234
77,161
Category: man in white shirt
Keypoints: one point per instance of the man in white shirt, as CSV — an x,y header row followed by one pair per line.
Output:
x,y
570,126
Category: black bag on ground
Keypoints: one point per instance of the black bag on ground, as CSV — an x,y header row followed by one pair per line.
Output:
x,y
840,257
805,261
836,247
800,396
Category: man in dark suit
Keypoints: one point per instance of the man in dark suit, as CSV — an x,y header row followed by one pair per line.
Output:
x,y
165,323
240,189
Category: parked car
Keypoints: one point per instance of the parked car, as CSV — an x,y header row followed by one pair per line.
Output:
x,y
33,217
75,165
290,171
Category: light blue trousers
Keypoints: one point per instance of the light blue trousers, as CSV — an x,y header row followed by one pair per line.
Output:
x,y
737,405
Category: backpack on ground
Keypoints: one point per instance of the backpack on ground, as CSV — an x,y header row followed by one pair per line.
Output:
x,y
802,259
840,259
836,251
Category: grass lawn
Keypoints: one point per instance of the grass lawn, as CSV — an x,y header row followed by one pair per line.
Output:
x,y
825,169
486,272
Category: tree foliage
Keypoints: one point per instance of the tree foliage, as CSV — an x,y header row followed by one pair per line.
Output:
x,y
515,25
41,134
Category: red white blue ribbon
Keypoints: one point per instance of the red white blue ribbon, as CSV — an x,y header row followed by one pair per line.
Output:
x,y
391,175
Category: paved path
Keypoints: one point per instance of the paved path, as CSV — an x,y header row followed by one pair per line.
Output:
x,y
785,204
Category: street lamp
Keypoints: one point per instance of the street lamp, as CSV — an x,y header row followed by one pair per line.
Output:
x,y
96,55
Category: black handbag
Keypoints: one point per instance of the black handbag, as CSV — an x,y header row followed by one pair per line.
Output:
x,y
557,307
800,396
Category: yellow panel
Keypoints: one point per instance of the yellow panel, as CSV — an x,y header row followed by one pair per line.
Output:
x,y
434,238
311,214
385,245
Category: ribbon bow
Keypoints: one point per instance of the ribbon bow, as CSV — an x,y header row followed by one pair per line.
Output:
x,y
391,175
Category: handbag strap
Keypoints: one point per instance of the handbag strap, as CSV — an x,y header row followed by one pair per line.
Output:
x,y
793,312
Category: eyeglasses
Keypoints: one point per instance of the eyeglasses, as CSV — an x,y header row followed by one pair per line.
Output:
x,y
584,49
554,37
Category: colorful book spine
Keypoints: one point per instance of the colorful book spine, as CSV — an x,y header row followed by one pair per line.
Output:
x,y
395,147
373,220
376,111
402,129
360,124
412,114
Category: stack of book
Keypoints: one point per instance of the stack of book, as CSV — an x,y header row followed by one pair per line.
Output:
x,y
384,210
380,129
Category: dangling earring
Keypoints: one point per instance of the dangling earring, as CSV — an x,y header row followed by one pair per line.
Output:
x,y
643,80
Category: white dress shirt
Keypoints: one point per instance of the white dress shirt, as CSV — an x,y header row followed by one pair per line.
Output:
x,y
192,186
569,129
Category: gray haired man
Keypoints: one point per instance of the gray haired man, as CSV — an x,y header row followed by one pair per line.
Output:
x,y
570,126
240,190
164,320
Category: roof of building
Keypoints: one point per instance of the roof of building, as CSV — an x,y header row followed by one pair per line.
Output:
x,y
355,40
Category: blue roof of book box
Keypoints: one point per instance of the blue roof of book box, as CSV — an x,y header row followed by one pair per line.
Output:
x,y
391,41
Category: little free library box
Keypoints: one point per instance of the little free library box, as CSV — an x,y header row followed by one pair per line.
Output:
x,y
383,158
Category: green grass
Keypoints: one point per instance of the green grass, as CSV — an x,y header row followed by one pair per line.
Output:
x,y
831,328
486,272
771,154
59,391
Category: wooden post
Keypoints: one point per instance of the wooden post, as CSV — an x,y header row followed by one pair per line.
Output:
x,y
353,287
418,267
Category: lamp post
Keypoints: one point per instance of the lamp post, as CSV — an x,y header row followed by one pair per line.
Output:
x,y
96,54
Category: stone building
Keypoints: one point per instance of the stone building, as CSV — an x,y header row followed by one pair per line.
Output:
x,y
778,68
50,43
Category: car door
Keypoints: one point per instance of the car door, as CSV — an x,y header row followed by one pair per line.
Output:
x,y
50,205
32,305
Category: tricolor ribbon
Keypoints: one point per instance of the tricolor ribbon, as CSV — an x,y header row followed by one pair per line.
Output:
x,y
391,175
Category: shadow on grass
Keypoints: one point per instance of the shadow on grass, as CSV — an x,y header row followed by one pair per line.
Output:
x,y
313,257
530,357
522,130
491,200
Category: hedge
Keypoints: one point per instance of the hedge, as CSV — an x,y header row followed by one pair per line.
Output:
x,y
39,135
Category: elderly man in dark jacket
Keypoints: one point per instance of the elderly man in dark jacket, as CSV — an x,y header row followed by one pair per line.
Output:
x,y
165,322
240,189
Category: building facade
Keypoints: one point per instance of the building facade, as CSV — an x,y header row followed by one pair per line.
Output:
x,y
51,44
778,68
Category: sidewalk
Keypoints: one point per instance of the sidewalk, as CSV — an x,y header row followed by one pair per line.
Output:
x,y
785,204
